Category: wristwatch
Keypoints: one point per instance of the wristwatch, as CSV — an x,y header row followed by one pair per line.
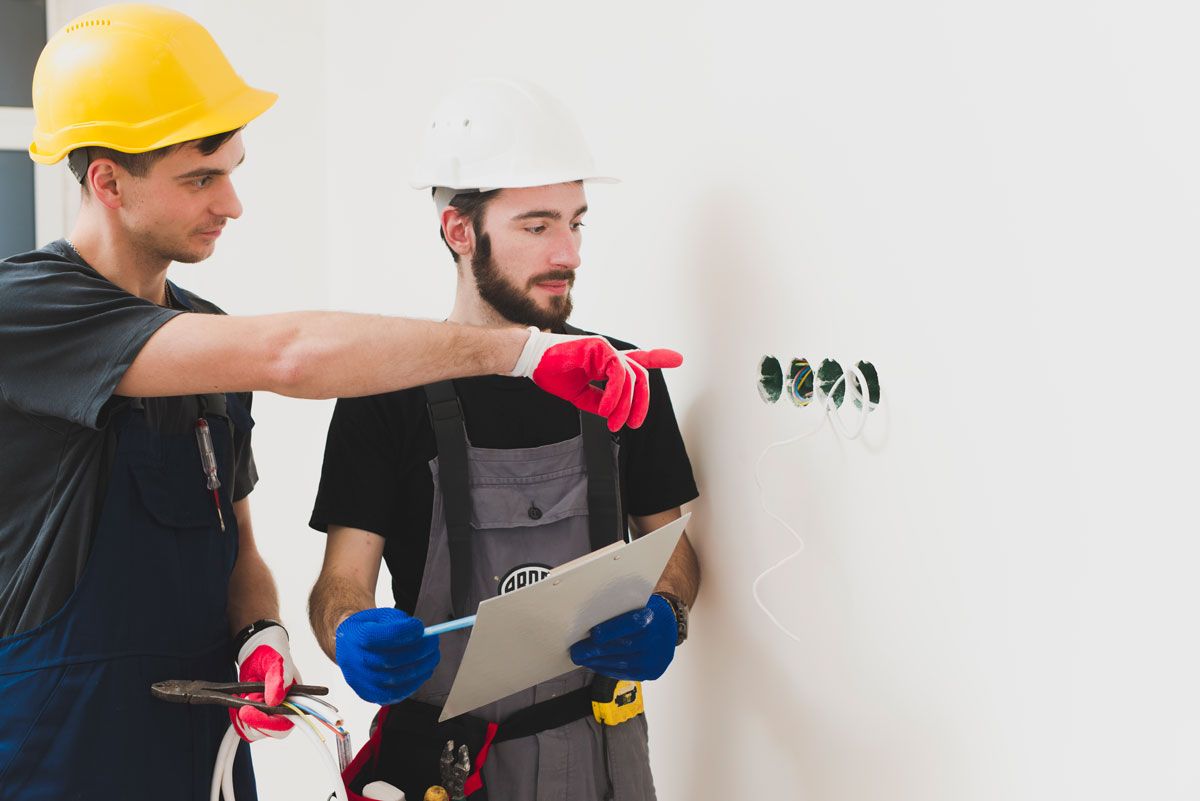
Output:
x,y
681,615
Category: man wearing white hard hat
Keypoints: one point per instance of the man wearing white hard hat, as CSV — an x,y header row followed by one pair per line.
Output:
x,y
127,555
473,488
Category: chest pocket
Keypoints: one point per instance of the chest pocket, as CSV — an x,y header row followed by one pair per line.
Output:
x,y
175,500
529,500
171,484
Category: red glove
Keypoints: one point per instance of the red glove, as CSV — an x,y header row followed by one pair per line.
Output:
x,y
265,657
566,366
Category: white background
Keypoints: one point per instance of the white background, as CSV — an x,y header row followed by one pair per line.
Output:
x,y
995,203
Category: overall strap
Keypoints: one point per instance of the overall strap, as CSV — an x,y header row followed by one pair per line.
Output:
x,y
604,502
449,429
450,433
215,404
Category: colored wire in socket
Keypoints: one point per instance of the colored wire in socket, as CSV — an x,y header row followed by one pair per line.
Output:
x,y
830,384
800,382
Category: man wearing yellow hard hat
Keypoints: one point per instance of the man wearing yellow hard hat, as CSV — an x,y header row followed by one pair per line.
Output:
x,y
126,551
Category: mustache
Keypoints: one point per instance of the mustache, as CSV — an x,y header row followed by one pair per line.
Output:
x,y
555,275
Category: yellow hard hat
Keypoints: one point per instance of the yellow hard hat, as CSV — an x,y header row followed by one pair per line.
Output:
x,y
133,78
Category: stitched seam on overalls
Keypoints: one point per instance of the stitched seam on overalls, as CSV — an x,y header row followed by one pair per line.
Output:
x,y
93,659
33,727
505,481
507,523
552,450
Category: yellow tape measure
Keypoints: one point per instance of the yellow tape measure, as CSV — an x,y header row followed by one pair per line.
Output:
x,y
614,702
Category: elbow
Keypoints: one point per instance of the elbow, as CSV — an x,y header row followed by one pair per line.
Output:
x,y
294,366
316,610
289,374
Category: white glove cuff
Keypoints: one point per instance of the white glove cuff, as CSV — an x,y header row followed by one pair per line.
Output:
x,y
531,354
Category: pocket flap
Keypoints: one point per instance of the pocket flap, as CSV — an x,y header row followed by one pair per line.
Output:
x,y
173,500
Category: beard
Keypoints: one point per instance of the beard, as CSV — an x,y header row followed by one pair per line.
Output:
x,y
513,303
168,249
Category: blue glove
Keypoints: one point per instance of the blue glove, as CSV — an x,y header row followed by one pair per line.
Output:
x,y
636,646
383,656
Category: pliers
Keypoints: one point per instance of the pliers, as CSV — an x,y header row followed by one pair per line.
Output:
x,y
180,691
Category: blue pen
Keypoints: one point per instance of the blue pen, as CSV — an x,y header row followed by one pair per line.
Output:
x,y
449,625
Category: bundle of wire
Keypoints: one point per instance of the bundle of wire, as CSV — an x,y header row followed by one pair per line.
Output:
x,y
305,714
830,408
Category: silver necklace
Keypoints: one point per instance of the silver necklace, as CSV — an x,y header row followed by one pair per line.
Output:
x,y
169,297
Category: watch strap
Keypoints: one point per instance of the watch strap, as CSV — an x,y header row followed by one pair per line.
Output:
x,y
243,636
681,615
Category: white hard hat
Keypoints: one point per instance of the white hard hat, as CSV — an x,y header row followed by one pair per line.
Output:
x,y
497,133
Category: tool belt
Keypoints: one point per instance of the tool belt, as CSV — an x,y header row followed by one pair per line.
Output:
x,y
410,739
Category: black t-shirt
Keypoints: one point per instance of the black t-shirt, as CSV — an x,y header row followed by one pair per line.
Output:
x,y
67,336
376,473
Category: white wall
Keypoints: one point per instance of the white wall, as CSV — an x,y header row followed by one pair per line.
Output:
x,y
994,203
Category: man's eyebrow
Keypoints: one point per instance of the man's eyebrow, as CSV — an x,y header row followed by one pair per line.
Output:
x,y
547,214
206,171
533,215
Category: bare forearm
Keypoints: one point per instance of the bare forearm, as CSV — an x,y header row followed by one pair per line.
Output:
x,y
334,599
252,594
313,354
681,577
346,355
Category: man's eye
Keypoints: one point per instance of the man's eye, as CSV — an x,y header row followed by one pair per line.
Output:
x,y
536,229
200,183
576,226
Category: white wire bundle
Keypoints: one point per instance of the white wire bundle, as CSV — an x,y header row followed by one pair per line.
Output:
x,y
830,413
222,778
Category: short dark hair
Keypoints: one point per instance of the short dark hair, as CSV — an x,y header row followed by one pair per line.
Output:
x,y
471,205
140,163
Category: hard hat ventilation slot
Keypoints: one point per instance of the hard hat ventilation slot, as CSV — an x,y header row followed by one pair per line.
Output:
x,y
89,23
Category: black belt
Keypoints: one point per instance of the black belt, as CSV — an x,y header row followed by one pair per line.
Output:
x,y
412,738
543,716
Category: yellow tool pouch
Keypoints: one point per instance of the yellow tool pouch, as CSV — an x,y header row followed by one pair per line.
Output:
x,y
616,701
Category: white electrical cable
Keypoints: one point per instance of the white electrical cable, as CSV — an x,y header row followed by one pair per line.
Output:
x,y
762,497
831,414
229,742
335,775
222,779
860,383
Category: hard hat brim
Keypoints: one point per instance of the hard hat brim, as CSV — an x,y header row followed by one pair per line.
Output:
x,y
191,123
427,183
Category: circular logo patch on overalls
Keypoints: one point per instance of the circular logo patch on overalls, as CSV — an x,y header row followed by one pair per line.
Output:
x,y
522,576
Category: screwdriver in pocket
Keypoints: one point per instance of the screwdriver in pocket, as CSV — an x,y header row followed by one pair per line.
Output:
x,y
208,461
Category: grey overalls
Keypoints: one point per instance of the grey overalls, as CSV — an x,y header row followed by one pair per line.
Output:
x,y
502,518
